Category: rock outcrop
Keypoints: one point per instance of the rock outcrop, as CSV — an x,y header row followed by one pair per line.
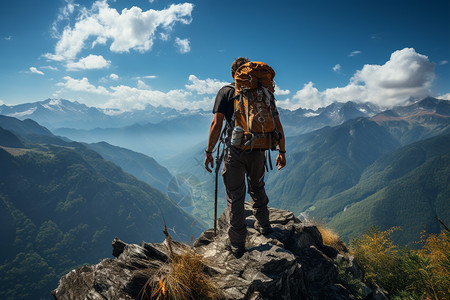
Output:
x,y
289,263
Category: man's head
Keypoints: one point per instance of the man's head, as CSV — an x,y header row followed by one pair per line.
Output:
x,y
237,63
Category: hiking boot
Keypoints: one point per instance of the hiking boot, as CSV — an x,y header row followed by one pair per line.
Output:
x,y
236,249
266,229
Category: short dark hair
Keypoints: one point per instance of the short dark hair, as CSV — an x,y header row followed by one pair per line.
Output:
x,y
238,62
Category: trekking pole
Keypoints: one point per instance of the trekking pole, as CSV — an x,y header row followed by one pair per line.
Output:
x,y
215,192
219,158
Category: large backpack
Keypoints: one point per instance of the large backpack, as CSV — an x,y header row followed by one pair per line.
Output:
x,y
254,106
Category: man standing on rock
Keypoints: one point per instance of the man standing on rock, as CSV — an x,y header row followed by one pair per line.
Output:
x,y
246,160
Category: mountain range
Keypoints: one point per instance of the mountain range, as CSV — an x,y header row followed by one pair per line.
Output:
x,y
328,172
60,113
408,187
60,202
158,131
349,165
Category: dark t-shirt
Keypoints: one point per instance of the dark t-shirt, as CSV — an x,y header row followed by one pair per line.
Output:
x,y
224,103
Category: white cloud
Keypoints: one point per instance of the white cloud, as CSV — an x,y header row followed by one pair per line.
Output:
x,y
150,77
309,97
355,53
36,71
444,97
64,14
1,102
207,86
183,45
406,69
337,68
82,85
407,74
8,38
54,57
127,98
131,29
113,76
88,63
280,92
164,36
142,85
50,68
443,62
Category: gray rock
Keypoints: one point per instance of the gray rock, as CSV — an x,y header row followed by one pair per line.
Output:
x,y
288,263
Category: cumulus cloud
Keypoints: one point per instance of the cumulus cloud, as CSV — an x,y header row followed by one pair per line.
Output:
x,y
50,68
131,29
183,45
82,85
309,97
164,36
64,14
355,53
142,85
36,71
126,98
280,92
407,74
406,70
207,86
337,68
88,63
444,97
113,76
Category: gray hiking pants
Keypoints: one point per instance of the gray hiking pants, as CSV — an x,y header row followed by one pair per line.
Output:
x,y
238,165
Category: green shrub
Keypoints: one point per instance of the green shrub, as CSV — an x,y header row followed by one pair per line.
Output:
x,y
405,273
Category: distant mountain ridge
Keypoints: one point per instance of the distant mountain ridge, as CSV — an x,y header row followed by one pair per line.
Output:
x,y
421,120
139,165
58,113
25,127
302,121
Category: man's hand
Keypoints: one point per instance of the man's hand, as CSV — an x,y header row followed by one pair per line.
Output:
x,y
209,160
281,161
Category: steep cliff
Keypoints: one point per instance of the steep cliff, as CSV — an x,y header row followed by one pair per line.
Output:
x,y
292,262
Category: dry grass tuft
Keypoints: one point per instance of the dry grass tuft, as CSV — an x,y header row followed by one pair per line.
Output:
x,y
182,279
332,239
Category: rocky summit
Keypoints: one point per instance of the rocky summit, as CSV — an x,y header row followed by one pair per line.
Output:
x,y
291,262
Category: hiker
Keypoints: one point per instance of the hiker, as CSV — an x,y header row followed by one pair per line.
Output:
x,y
245,161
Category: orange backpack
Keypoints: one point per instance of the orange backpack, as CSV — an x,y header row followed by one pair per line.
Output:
x,y
254,106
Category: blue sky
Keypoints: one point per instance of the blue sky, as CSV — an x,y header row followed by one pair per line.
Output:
x,y
127,54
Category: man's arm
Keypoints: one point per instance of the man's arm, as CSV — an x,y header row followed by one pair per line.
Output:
x,y
214,134
281,158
